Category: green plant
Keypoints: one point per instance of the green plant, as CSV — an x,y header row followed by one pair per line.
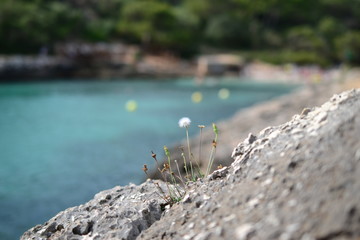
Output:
x,y
348,47
305,38
175,183
213,149
175,192
287,56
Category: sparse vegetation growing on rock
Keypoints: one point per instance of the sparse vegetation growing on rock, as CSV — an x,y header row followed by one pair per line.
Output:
x,y
175,182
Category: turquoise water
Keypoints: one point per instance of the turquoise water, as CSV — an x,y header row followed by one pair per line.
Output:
x,y
62,142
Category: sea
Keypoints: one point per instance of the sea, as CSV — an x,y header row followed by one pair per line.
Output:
x,y
62,141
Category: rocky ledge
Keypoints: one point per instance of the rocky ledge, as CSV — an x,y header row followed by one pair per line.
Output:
x,y
298,180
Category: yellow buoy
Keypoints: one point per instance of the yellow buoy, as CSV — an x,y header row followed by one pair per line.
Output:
x,y
224,93
131,106
196,97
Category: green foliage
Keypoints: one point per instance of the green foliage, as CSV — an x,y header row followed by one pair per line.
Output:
x,y
329,28
304,38
302,30
26,26
229,31
99,30
348,47
157,25
288,56
146,21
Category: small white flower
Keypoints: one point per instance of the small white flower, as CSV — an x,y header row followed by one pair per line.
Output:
x,y
184,122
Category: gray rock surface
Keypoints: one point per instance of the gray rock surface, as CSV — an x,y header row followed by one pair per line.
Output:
x,y
118,213
297,180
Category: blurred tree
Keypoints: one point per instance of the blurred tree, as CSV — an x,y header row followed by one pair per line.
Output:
x,y
19,23
99,30
62,21
308,28
328,28
305,38
348,47
156,25
272,38
345,11
27,26
147,22
227,30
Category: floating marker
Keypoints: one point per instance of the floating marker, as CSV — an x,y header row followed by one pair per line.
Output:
x,y
131,106
224,93
196,97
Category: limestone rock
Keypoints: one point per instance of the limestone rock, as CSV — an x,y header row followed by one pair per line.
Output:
x,y
297,180
300,180
118,213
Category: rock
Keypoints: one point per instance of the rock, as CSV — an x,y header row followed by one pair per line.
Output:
x,y
244,231
220,173
118,213
297,180
288,187
243,146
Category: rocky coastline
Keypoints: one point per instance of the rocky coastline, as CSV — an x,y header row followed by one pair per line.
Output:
x,y
92,61
119,61
295,176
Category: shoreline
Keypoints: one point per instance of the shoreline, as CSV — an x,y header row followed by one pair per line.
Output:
x,y
19,68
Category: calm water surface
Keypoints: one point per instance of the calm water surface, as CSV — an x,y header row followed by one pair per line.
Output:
x,y
62,142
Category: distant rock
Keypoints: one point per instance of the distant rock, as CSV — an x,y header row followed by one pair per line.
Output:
x,y
297,180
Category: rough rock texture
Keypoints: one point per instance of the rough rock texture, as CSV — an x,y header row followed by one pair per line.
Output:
x,y
118,213
298,180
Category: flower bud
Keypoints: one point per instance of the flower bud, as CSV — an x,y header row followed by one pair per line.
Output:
x,y
166,150
215,128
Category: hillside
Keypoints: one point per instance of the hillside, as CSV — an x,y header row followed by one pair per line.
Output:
x,y
273,31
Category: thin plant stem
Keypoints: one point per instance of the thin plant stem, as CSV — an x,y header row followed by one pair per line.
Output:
x,y
174,192
201,175
188,142
186,171
198,170
178,169
159,169
162,174
167,153
210,162
176,186
160,189
192,172
172,177
200,143
213,150
196,161
171,172
162,195
189,149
